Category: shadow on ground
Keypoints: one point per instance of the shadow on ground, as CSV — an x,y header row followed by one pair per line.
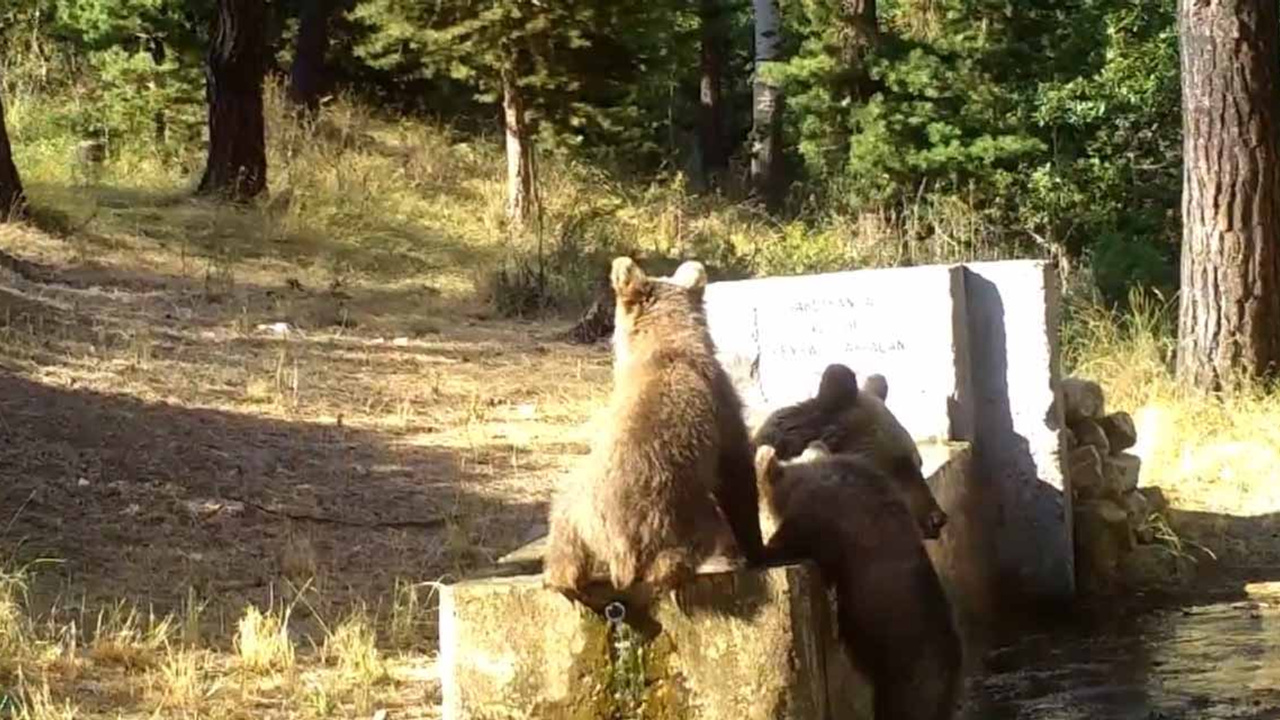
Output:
x,y
142,500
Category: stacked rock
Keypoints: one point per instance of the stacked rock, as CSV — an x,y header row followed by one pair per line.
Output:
x,y
1115,521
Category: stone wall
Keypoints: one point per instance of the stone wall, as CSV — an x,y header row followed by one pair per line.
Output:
x,y
1119,525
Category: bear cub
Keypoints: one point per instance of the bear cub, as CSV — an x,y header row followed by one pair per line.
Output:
x,y
892,613
852,420
670,480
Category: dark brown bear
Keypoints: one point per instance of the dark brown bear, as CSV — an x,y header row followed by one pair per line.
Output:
x,y
852,420
670,480
892,612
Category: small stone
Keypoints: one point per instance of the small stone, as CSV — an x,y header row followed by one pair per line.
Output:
x,y
1139,508
1072,442
1085,469
1088,432
1108,511
1082,399
1102,539
1155,566
1120,472
1120,430
1155,499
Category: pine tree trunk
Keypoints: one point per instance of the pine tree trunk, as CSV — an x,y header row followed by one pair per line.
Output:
x,y
767,108
13,202
1229,321
160,123
710,108
519,152
859,33
307,76
237,164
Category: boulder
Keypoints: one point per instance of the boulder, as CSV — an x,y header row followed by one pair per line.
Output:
x,y
1085,467
1120,430
1082,399
1120,473
1088,432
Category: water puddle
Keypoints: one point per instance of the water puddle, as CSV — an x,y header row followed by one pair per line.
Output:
x,y
1207,660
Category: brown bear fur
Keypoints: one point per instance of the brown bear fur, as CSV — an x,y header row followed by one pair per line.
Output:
x,y
670,479
853,420
892,613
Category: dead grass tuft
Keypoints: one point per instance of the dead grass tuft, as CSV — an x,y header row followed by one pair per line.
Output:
x,y
262,641
125,638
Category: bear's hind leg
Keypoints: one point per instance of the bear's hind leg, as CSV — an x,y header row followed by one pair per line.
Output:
x,y
567,562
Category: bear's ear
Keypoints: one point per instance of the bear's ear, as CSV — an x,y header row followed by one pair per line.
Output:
x,y
877,385
816,450
691,275
766,463
627,278
838,388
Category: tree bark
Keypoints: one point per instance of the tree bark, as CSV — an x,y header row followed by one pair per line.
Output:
x,y
237,164
858,34
160,123
711,137
307,77
1229,319
13,202
767,108
520,180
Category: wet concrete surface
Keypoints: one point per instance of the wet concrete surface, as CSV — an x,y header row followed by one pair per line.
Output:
x,y
1207,658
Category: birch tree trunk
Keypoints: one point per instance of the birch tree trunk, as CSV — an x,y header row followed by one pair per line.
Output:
x,y
767,107
520,179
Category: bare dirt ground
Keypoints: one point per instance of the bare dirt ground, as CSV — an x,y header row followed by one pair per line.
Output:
x,y
245,432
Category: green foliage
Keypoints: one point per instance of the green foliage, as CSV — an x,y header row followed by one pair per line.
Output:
x,y
1058,125
591,72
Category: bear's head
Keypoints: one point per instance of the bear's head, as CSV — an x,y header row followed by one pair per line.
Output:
x,y
848,419
660,308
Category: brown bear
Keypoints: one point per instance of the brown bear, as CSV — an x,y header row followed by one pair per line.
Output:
x,y
670,479
853,420
892,613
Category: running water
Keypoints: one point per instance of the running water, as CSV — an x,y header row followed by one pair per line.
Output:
x,y
1213,659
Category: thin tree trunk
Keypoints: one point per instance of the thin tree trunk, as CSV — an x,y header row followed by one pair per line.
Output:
x,y
13,202
1229,321
710,108
767,108
160,122
520,179
237,165
307,76
859,33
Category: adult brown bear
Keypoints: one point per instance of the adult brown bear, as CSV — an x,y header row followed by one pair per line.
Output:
x,y
670,479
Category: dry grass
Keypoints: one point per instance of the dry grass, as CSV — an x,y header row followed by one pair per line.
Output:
x,y
1216,458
